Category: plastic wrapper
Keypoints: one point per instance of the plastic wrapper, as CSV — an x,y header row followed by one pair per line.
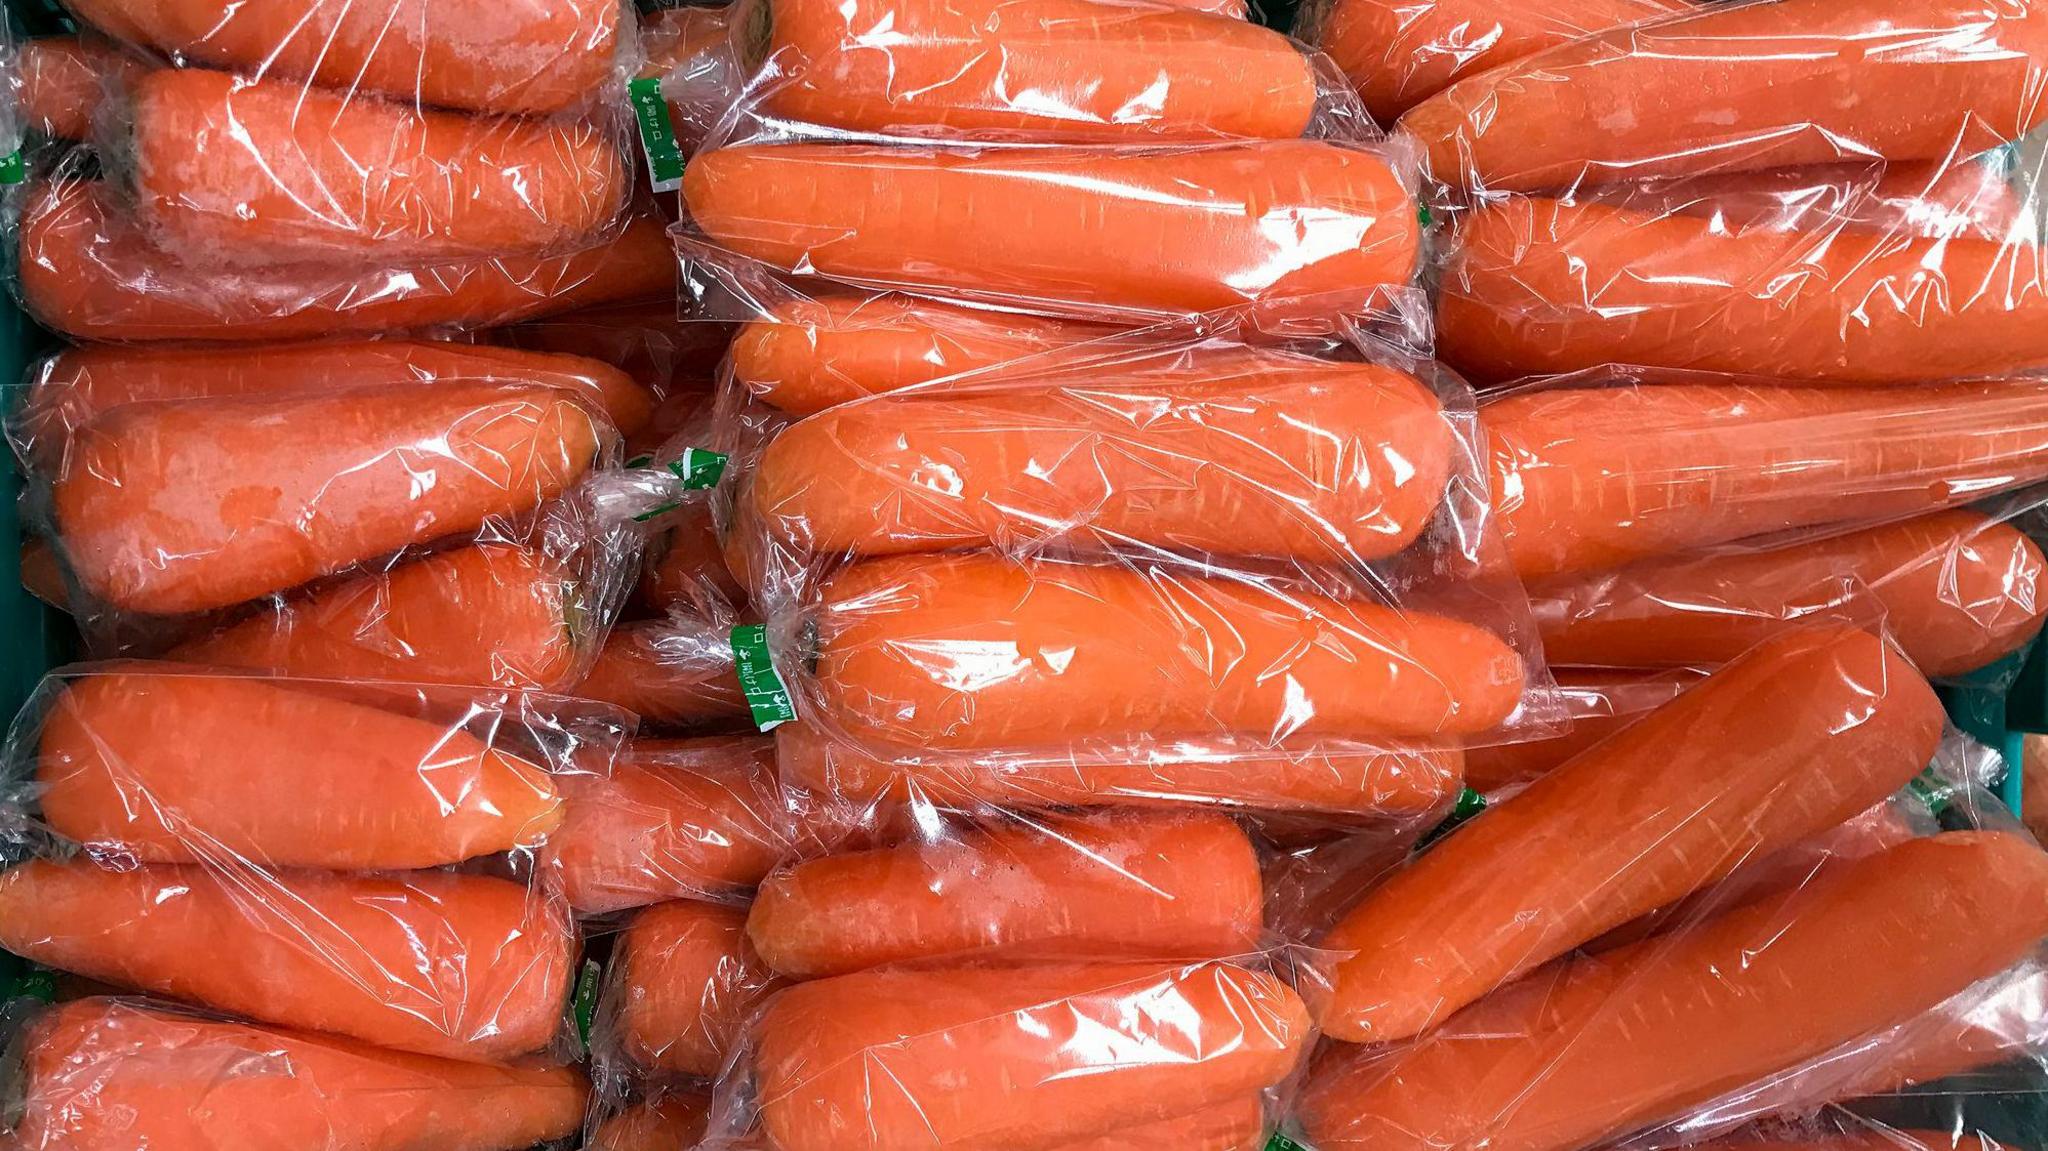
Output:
x,y
123,1073
60,81
682,982
1723,88
690,52
2034,793
685,571
1598,702
377,882
672,673
661,1121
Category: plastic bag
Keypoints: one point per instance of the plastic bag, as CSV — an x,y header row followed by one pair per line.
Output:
x,y
681,983
60,81
1598,701
672,673
691,56
661,1120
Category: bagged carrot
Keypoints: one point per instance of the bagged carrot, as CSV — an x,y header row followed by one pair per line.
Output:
x,y
60,82
682,982
669,1120
1598,701
642,338
675,673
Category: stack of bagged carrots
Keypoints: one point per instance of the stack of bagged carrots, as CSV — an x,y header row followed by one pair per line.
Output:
x,y
1220,596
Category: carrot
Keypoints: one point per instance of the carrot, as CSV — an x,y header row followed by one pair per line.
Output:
x,y
1743,87
675,1120
1596,1048
1072,71
1398,53
263,172
42,573
302,486
1362,780
175,767
1138,884
87,270
641,338
1237,451
1016,1058
462,966
685,569
108,1073
1148,231
1975,198
1587,478
2004,1027
60,82
1799,735
1118,652
686,982
536,56
808,355
1239,1125
1599,703
670,675
1536,285
1958,591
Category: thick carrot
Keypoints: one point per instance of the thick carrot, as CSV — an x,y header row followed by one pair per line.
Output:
x,y
1599,702
685,568
189,505
668,674
1016,1058
1239,452
686,981
1132,884
463,966
258,173
88,271
529,56
1072,71
1355,780
1742,87
1958,591
1536,285
105,1073
1398,53
1146,231
808,355
1594,1048
1239,1125
1799,735
674,1120
1587,478
1119,652
60,82
175,767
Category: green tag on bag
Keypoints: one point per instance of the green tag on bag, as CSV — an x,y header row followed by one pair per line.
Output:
x,y
699,467
1469,804
1280,1142
1929,788
657,134
584,1004
767,696
12,169
643,460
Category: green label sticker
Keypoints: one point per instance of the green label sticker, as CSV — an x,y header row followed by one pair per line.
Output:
x,y
1470,803
699,467
657,134
663,510
585,1003
643,460
1422,215
1929,788
12,169
767,696
1280,1142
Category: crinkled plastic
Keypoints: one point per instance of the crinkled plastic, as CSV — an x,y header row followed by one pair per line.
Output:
x,y
60,82
691,52
672,673
685,570
661,1121
682,981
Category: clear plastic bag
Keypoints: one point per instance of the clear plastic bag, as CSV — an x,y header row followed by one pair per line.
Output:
x,y
672,673
1598,702
682,981
660,1120
60,81
690,53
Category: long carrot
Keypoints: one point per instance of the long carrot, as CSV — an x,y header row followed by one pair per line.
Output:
x,y
1117,652
107,1073
1362,780
462,966
1977,198
1799,735
685,568
1587,1051
61,82
1599,702
1958,591
1236,451
1145,231
1998,1030
1016,1058
1118,884
530,56
808,355
1742,87
270,172
1537,285
674,1120
685,982
1587,478
1072,71
668,674
88,271
175,767
1236,1126
301,486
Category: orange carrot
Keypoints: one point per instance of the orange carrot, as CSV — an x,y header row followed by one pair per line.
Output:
x,y
1239,1125
531,56
1599,703
257,173
1074,71
1536,285
686,567
60,82
1123,884
87,270
1148,231
1742,87
1958,591
2004,1027
1799,735
108,1073
1016,1058
808,355
1353,780
463,966
1595,1048
1587,478
1975,198
686,981
642,338
140,762
1115,652
302,486
669,674
675,1120
1239,452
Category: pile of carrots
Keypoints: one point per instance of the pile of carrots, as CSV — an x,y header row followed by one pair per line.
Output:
x,y
1151,585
